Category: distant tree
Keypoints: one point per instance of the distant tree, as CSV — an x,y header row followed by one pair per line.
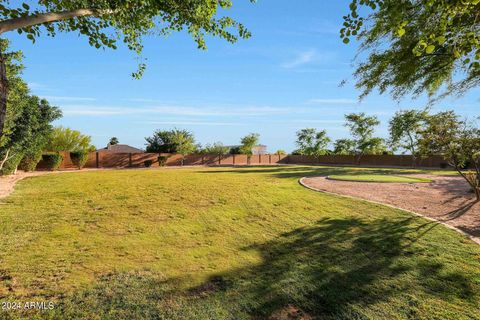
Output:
x,y
36,129
66,139
161,142
113,141
362,128
280,152
458,141
216,148
106,22
235,150
247,144
311,142
172,141
166,141
184,142
405,127
344,147
416,46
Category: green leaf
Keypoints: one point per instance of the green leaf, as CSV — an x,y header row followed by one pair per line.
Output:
x,y
430,49
441,39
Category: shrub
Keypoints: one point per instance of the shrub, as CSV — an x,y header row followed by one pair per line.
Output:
x,y
79,158
148,163
30,161
162,161
11,165
443,165
52,160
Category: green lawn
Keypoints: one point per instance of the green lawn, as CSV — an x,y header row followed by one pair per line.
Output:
x,y
388,178
226,244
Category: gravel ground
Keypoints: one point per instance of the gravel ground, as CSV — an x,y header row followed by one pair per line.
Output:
x,y
447,199
7,183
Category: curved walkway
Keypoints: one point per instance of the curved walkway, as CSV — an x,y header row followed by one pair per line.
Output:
x,y
7,183
446,199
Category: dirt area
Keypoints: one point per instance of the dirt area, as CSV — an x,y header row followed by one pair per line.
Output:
x,y
447,199
7,183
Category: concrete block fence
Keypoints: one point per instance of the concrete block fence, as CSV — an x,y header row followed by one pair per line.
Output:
x,y
137,160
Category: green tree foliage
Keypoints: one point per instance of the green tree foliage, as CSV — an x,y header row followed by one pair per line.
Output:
x,y
106,22
311,142
217,148
362,128
280,152
66,139
113,141
458,141
416,46
344,147
170,141
405,127
248,142
28,121
184,142
161,141
235,150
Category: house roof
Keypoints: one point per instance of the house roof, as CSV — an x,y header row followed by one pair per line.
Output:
x,y
121,148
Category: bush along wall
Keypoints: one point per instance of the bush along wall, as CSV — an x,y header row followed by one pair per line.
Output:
x,y
162,161
79,158
52,160
148,163
30,161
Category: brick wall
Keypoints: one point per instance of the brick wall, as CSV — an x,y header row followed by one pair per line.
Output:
x,y
137,160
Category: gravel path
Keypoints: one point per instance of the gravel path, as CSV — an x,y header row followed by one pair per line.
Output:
x,y
7,183
447,199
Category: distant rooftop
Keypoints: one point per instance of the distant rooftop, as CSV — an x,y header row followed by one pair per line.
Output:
x,y
120,148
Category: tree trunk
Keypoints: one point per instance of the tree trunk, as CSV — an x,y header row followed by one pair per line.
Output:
x,y
358,158
3,93
2,162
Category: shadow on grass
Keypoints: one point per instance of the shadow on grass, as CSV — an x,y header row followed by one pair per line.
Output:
x,y
335,269
309,171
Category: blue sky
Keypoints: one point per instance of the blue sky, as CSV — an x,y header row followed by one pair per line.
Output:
x,y
285,78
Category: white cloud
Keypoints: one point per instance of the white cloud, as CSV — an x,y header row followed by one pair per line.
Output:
x,y
91,110
333,101
196,123
301,59
68,98
309,121
36,86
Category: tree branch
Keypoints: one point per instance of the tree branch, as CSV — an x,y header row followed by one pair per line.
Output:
x,y
36,19
5,159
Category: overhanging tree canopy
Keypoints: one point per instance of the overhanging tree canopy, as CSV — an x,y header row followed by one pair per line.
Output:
x,y
106,22
415,46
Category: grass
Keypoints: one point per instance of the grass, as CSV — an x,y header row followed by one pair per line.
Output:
x,y
387,178
225,244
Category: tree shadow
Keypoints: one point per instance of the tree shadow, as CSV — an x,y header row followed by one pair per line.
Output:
x,y
340,267
293,171
334,269
457,213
